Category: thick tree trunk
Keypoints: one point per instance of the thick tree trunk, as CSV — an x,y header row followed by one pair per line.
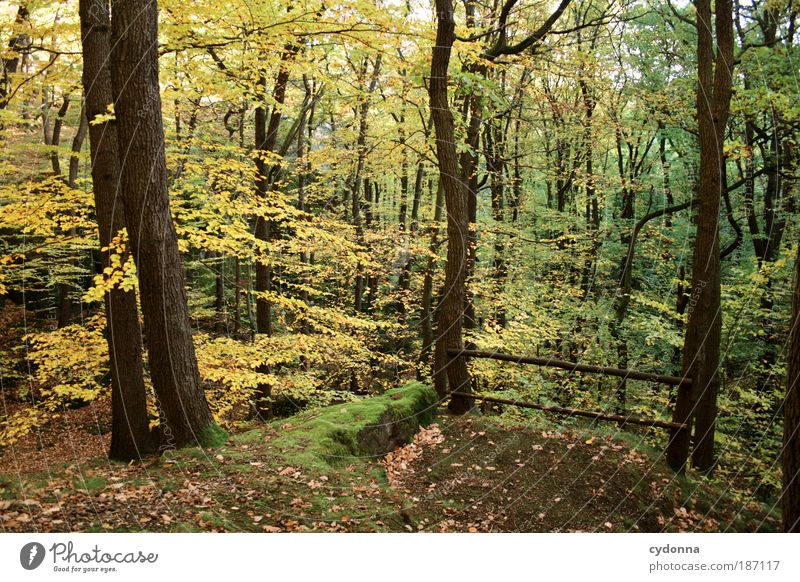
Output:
x,y
130,432
450,373
185,415
791,418
704,328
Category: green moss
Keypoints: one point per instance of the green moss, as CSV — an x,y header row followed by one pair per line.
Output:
x,y
90,483
212,436
183,454
13,487
330,446
250,437
365,428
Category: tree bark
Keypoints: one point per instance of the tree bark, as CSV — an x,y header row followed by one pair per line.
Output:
x,y
130,433
791,418
450,373
184,411
703,331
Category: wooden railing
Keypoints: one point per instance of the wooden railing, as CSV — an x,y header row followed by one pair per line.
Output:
x,y
576,367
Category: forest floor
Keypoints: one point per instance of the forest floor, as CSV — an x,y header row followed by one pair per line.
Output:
x,y
465,474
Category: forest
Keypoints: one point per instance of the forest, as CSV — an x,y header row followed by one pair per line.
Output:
x,y
399,265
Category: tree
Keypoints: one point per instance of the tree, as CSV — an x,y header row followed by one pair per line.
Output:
x,y
449,372
460,182
266,139
130,432
16,45
791,417
320,215
184,413
704,328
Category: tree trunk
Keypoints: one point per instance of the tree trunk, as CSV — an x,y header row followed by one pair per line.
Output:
x,y
184,411
450,373
55,138
237,298
791,418
266,137
65,305
426,308
221,323
18,43
703,330
496,167
469,177
361,149
592,204
130,433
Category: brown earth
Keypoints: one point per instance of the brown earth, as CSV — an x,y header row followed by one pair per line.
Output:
x,y
465,474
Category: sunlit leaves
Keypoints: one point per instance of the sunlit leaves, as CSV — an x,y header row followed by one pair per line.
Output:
x,y
120,272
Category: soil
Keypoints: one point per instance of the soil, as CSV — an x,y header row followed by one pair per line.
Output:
x,y
487,477
460,474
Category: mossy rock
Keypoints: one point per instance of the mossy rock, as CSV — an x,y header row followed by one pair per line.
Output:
x,y
371,427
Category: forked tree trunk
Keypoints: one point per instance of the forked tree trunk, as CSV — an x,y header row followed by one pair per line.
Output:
x,y
130,433
184,411
450,373
704,328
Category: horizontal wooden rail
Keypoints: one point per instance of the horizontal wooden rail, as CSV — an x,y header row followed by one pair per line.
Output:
x,y
578,412
575,367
